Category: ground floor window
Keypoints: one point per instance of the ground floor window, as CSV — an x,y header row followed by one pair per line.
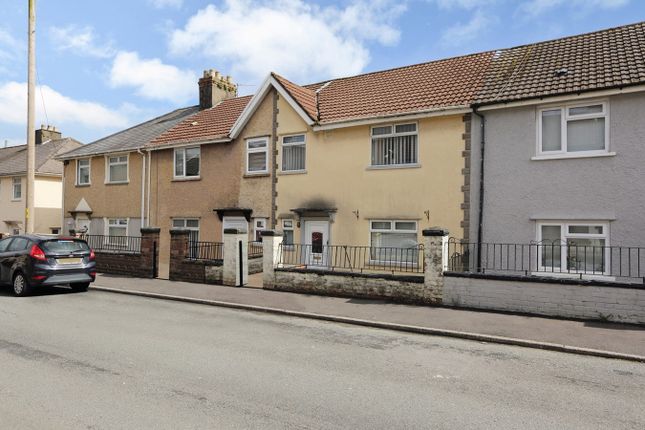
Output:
x,y
574,247
117,227
287,232
394,240
191,224
259,225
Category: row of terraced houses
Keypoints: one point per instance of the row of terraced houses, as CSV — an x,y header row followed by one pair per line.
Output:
x,y
537,142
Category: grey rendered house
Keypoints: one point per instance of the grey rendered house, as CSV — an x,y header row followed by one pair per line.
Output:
x,y
564,151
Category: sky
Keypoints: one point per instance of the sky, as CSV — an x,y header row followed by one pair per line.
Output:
x,y
106,65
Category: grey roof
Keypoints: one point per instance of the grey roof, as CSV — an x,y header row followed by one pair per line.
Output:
x,y
134,137
13,160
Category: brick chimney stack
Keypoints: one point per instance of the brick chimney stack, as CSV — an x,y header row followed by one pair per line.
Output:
x,y
47,133
213,88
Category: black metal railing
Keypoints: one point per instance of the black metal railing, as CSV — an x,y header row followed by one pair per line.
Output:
x,y
113,244
204,250
622,263
356,259
255,249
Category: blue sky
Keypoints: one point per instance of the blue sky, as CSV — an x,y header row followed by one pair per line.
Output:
x,y
106,65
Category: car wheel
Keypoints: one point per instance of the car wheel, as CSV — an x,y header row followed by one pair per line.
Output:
x,y
80,286
21,286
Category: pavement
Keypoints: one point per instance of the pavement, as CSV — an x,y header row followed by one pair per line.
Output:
x,y
100,360
581,337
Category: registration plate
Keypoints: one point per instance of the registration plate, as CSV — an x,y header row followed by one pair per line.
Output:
x,y
69,260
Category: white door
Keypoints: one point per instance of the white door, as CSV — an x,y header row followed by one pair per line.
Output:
x,y
316,241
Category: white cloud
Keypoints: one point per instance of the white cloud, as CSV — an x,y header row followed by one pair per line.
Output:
x,y
80,41
159,4
10,51
62,110
299,40
152,78
537,7
461,33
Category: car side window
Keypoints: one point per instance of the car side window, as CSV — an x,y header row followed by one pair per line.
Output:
x,y
4,244
18,244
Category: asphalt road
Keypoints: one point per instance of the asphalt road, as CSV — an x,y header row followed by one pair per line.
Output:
x,y
100,360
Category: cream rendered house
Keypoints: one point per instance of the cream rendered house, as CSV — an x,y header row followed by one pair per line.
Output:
x,y
48,187
374,159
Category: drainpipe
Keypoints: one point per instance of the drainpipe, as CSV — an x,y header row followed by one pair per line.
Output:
x,y
480,214
143,186
149,189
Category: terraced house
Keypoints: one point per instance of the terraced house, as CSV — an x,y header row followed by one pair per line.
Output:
x,y
205,176
373,159
564,149
48,186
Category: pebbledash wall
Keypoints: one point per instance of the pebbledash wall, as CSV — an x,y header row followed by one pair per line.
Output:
x,y
568,298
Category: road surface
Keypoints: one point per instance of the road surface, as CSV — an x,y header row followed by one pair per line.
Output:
x,y
99,360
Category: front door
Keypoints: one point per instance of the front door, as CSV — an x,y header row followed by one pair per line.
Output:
x,y
316,241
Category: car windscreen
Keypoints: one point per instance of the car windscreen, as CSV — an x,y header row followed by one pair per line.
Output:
x,y
62,246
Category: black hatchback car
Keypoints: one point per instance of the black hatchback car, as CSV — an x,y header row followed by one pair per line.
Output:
x,y
30,261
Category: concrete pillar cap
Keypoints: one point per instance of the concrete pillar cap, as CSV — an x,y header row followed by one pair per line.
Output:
x,y
435,231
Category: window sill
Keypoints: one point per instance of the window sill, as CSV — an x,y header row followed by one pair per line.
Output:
x,y
394,166
292,172
82,185
256,174
187,179
118,183
16,200
567,156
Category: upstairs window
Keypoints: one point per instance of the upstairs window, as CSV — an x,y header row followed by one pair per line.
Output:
x,y
395,145
293,153
17,188
573,130
117,171
83,171
257,156
187,162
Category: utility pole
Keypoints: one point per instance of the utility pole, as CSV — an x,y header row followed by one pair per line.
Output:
x,y
31,119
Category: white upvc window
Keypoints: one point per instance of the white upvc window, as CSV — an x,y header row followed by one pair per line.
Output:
x,y
573,130
287,232
395,145
83,171
17,188
394,240
259,225
191,224
574,247
117,169
257,156
117,227
187,162
293,153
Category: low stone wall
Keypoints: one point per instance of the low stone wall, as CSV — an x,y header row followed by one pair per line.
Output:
x,y
203,272
123,264
255,265
404,289
569,299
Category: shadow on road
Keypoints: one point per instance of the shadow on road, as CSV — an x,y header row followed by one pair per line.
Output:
x,y
5,291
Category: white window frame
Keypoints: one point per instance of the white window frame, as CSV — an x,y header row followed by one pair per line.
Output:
x,y
256,150
565,118
392,229
174,163
108,179
256,229
16,181
89,171
394,134
107,229
292,229
564,235
283,144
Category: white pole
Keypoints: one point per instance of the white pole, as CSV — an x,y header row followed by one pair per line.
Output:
x,y
31,119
